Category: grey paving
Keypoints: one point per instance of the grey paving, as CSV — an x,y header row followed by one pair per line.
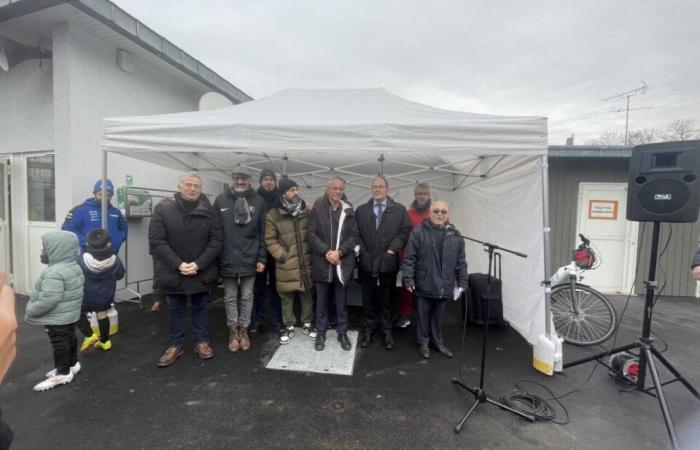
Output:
x,y
299,355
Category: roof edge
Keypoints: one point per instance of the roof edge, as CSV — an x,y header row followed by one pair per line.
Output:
x,y
128,26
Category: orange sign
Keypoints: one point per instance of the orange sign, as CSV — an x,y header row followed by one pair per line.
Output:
x,y
602,209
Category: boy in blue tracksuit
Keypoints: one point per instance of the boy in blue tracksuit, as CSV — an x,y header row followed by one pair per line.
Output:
x,y
88,216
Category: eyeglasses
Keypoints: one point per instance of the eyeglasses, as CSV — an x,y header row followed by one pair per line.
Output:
x,y
440,211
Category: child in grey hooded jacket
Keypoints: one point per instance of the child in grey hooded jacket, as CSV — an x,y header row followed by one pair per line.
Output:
x,y
55,303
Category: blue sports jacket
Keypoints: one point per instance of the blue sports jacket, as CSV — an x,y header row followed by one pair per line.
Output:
x,y
88,216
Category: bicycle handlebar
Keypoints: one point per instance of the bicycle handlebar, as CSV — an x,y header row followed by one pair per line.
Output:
x,y
585,240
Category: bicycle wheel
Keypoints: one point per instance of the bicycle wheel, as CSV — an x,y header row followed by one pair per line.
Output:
x,y
592,321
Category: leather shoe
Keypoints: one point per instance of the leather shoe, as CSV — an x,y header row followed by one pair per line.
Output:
x,y
320,342
344,341
444,351
424,352
388,342
366,339
203,350
170,355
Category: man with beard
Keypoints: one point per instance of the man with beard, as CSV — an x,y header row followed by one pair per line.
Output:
x,y
268,191
242,212
185,237
333,237
417,213
286,237
88,216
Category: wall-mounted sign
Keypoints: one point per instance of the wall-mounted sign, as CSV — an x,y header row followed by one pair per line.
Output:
x,y
138,203
602,209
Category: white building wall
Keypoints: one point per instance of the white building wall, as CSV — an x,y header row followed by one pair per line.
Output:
x,y
26,108
88,87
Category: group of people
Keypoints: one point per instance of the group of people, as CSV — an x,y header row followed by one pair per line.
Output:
x,y
307,251
243,239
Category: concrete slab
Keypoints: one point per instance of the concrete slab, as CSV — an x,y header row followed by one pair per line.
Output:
x,y
299,355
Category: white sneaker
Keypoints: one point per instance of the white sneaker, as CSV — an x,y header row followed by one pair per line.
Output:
x,y
287,335
52,382
310,332
74,370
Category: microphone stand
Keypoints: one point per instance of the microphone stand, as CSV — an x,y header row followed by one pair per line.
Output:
x,y
480,395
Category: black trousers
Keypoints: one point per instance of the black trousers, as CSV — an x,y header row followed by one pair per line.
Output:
x,y
378,301
65,347
259,291
324,291
429,314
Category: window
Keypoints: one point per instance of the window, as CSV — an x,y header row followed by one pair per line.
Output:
x,y
41,188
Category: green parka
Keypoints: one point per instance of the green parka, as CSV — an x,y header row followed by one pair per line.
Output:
x,y
58,294
286,239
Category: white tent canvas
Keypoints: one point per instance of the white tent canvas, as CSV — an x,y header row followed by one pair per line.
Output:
x,y
489,168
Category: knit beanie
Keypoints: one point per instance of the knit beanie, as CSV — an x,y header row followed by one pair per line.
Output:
x,y
267,173
286,184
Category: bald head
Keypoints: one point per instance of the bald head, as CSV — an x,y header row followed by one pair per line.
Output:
x,y
439,213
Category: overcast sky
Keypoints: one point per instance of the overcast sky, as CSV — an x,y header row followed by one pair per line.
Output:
x,y
558,59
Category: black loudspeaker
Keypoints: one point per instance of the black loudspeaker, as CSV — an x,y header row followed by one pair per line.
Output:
x,y
663,182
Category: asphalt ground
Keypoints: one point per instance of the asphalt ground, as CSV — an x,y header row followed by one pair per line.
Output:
x,y
394,399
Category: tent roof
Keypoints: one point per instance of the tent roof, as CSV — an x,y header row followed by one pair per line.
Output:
x,y
308,132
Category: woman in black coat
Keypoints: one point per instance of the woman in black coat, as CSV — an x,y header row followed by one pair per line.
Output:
x,y
434,266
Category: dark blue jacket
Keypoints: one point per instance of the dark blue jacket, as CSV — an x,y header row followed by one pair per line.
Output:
x,y
425,270
100,285
88,216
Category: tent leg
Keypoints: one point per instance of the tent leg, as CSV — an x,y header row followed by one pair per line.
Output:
x,y
546,240
104,190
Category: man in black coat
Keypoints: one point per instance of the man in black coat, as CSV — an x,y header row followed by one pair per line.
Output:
x,y
383,227
185,237
332,237
244,255
435,270
270,194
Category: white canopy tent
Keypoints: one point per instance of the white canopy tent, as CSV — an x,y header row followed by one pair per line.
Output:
x,y
491,169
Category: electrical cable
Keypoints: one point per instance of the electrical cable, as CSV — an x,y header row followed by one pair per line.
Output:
x,y
522,400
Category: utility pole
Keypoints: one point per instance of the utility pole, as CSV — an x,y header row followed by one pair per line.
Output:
x,y
627,95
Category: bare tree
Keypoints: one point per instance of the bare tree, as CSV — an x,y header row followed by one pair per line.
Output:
x,y
609,137
681,130
678,130
647,135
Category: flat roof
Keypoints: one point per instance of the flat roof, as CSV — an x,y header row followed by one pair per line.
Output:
x,y
589,151
128,26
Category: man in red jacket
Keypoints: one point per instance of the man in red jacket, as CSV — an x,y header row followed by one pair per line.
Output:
x,y
419,210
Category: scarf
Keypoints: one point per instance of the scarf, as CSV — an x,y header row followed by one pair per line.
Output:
x,y
293,208
241,209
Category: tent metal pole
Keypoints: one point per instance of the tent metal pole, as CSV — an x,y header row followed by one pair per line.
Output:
x,y
104,203
546,240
